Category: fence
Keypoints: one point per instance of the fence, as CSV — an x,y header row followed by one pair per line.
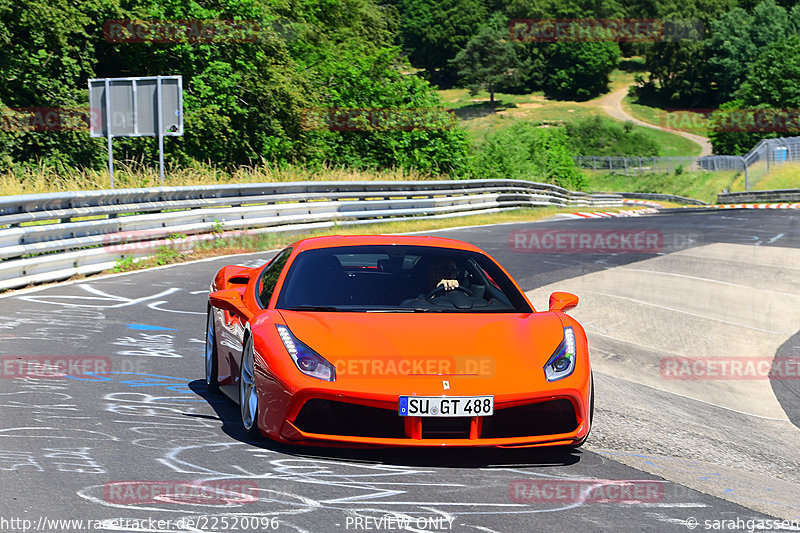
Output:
x,y
134,222
637,165
755,164
765,155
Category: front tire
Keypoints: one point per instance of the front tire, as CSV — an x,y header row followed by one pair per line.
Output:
x,y
212,364
248,392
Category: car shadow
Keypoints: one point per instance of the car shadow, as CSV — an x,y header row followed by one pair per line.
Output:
x,y
228,413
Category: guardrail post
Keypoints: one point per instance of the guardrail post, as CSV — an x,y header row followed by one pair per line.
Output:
x,y
110,135
160,131
746,180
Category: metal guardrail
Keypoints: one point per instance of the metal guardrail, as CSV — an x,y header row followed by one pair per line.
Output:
x,y
778,195
663,197
88,232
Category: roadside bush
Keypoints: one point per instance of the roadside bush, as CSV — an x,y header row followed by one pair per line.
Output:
x,y
525,151
598,136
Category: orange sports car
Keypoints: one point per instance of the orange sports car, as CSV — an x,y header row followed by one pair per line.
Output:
x,y
396,341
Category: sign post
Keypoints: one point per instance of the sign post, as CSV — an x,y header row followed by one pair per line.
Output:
x,y
136,107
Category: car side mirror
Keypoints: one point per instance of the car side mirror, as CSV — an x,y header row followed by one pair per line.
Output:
x,y
231,300
563,301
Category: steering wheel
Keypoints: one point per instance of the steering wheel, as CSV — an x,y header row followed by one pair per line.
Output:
x,y
441,289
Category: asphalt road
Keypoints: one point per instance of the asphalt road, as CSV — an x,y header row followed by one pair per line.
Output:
x,y
98,446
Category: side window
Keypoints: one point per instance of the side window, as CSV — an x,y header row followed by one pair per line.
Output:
x,y
269,278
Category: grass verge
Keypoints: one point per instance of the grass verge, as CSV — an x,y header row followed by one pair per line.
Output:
x,y
786,176
700,185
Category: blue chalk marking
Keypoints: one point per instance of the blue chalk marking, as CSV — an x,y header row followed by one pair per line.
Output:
x,y
138,380
146,327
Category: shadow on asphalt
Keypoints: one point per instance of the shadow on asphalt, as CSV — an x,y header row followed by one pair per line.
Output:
x,y
228,413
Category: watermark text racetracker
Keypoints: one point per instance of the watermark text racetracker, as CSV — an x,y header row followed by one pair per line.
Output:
x,y
211,492
38,119
377,119
181,31
51,366
604,29
394,366
755,120
586,241
563,491
729,368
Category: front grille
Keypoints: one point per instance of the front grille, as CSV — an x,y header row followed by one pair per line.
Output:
x,y
348,419
456,427
544,418
327,417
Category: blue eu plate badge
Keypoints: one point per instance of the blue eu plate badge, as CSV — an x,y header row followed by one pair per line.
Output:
x,y
403,405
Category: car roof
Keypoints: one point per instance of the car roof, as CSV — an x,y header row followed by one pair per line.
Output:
x,y
331,241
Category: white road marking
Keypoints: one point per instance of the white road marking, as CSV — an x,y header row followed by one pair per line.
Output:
x,y
155,306
99,296
701,401
683,312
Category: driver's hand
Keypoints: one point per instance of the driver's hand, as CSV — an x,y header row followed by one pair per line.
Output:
x,y
448,284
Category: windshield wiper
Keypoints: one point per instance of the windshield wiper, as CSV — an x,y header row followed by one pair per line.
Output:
x,y
313,308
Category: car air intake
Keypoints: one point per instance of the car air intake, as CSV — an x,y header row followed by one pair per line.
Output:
x,y
544,418
456,427
327,417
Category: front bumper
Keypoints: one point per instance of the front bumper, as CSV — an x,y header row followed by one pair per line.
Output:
x,y
553,420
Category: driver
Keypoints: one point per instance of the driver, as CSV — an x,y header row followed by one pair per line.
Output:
x,y
442,272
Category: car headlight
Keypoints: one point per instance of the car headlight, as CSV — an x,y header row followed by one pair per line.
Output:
x,y
307,360
562,362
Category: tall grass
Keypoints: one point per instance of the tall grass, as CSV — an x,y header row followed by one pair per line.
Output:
x,y
701,185
780,176
41,179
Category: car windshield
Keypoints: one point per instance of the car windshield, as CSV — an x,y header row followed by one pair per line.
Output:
x,y
397,278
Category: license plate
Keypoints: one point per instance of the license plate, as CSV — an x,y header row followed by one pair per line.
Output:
x,y
446,405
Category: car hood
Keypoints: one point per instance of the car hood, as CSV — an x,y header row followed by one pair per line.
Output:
x,y
429,346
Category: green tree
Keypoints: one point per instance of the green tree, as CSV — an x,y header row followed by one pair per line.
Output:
x,y
773,77
432,33
579,70
736,40
731,50
244,102
726,135
488,60
46,57
373,81
678,65
769,85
